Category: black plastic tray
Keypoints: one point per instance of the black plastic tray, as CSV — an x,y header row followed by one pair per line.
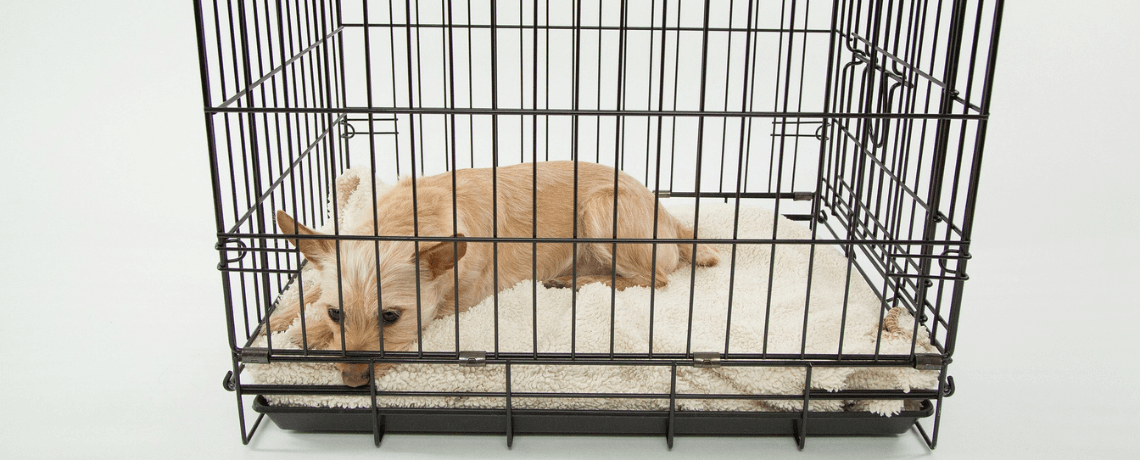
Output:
x,y
588,422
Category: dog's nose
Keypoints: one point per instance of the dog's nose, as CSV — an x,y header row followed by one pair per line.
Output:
x,y
355,378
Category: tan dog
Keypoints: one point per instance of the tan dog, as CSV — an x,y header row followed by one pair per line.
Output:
x,y
352,297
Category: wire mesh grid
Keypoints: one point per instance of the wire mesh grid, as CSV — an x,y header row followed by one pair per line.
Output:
x,y
864,120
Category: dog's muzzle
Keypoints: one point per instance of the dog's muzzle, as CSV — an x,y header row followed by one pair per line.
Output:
x,y
355,375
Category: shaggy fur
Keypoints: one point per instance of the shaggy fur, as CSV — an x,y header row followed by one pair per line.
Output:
x,y
354,295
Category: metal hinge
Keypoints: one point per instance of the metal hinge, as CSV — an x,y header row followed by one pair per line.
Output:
x,y
472,358
802,196
664,193
255,355
928,362
706,359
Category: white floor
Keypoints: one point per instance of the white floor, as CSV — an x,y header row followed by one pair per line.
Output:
x,y
112,342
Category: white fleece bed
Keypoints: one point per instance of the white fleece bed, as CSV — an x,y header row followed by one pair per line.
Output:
x,y
631,333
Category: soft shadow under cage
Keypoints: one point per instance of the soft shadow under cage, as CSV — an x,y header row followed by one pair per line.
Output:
x,y
864,119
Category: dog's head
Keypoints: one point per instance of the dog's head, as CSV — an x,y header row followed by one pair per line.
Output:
x,y
369,292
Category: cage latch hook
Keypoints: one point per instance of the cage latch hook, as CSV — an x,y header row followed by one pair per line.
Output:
x,y
472,358
225,246
347,130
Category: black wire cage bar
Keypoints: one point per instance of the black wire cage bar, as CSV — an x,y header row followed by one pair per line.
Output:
x,y
863,120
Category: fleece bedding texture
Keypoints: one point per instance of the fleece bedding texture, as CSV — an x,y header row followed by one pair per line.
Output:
x,y
751,321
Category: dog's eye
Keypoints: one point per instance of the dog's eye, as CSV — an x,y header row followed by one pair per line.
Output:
x,y
390,316
334,314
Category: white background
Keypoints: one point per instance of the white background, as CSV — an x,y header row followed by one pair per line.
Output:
x,y
112,337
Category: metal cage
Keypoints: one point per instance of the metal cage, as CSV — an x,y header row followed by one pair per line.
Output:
x,y
864,120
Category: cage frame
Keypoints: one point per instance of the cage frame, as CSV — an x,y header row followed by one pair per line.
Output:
x,y
963,111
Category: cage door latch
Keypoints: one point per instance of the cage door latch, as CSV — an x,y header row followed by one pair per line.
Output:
x,y
255,355
706,359
472,358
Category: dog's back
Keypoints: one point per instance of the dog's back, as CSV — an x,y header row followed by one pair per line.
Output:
x,y
503,203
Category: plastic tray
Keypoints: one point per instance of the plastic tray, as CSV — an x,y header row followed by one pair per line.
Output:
x,y
588,422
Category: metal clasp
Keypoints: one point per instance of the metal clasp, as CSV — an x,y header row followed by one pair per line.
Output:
x,y
928,362
472,358
706,359
255,355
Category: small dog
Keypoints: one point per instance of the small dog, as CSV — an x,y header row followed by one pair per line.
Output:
x,y
348,288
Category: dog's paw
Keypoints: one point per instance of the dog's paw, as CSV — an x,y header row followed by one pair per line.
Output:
x,y
707,256
557,283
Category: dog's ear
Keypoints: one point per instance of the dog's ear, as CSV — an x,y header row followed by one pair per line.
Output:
x,y
315,251
443,256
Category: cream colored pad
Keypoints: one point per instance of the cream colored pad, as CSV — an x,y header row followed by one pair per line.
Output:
x,y
631,311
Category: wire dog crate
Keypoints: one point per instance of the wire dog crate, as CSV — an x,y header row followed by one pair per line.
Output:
x,y
861,122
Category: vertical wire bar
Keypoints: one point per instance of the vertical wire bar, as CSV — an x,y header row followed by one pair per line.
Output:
x,y
495,162
395,97
269,158
455,166
366,30
779,165
419,87
617,155
510,417
546,118
776,98
377,426
574,156
817,201
697,185
657,162
795,149
676,88
522,81
801,436
867,143
415,196
751,104
727,87
327,77
739,173
470,85
598,89
783,145
343,84
649,90
671,425
534,178
800,100
245,166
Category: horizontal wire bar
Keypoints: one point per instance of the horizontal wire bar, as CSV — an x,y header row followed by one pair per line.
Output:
x,y
584,27
340,390
526,358
582,240
594,112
